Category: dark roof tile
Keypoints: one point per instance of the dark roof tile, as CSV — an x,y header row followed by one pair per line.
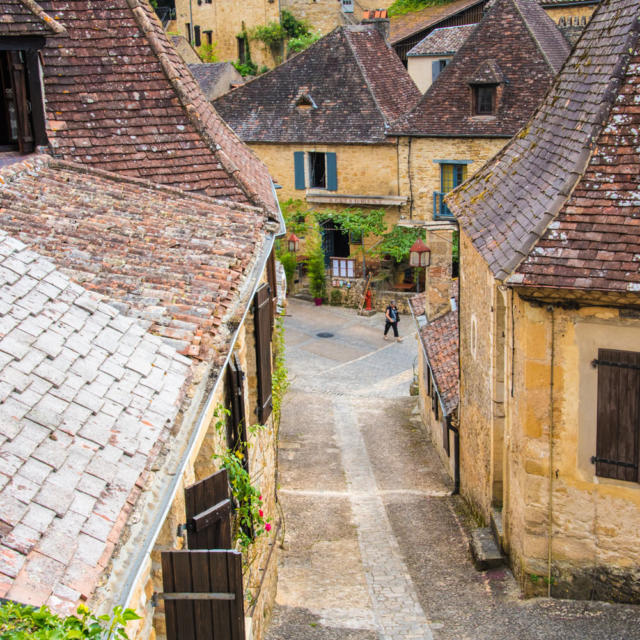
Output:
x,y
443,41
26,18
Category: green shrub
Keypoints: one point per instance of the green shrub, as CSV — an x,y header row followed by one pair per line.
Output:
x,y
315,264
335,297
295,45
22,622
293,27
289,263
246,68
272,34
400,7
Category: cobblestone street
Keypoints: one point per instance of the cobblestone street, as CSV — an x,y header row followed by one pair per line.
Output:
x,y
376,548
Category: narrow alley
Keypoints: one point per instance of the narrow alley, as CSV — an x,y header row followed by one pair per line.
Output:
x,y
375,546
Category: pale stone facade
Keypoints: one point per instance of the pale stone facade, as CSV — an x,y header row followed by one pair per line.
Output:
x,y
420,69
571,13
227,20
528,432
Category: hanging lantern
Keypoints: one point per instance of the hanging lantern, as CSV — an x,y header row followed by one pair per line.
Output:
x,y
294,243
419,254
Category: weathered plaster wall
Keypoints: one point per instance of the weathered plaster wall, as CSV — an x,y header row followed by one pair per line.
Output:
x,y
225,18
421,71
419,175
595,535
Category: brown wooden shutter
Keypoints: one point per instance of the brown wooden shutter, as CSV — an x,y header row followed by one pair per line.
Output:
x,y
21,101
203,595
209,513
236,423
618,441
263,319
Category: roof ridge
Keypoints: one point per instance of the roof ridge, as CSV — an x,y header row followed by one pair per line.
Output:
x,y
39,12
364,73
585,156
194,116
545,55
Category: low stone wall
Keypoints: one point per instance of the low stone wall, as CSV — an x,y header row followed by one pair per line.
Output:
x,y
351,292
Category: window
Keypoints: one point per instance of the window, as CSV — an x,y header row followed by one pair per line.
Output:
x,y
343,268
188,28
22,121
618,415
484,100
451,175
242,49
263,319
196,36
317,171
437,66
209,36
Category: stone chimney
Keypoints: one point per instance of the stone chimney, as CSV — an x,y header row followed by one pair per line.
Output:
x,y
438,279
378,18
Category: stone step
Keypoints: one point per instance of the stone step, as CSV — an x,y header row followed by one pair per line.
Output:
x,y
484,550
497,528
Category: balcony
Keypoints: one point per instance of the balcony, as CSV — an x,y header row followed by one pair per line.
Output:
x,y
440,209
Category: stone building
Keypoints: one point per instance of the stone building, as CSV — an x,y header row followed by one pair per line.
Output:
x,y
226,25
324,136
133,262
479,100
549,328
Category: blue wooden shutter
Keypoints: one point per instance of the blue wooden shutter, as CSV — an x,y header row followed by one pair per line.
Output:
x,y
332,172
298,166
435,70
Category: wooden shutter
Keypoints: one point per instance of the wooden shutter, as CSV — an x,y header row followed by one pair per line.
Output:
x,y
298,167
435,70
236,422
21,101
263,319
332,172
618,442
209,513
203,595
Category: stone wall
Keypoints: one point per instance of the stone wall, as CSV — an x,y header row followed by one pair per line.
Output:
x,y
584,11
419,175
225,18
595,536
260,566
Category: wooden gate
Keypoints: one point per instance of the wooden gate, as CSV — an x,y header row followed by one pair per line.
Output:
x,y
203,595
209,513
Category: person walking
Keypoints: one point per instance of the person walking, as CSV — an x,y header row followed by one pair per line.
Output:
x,y
392,318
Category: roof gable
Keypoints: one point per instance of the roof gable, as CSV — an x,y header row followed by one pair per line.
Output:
x,y
119,97
523,195
367,87
503,47
87,400
26,18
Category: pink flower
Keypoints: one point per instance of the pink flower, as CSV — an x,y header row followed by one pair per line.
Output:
x,y
267,527
261,513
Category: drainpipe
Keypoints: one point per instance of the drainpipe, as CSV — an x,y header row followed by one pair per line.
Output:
x,y
551,472
456,457
191,23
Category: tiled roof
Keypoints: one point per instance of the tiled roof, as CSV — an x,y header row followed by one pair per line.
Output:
x,y
418,304
119,97
87,399
375,14
440,340
173,259
515,41
366,89
406,25
567,3
564,193
26,18
209,75
444,41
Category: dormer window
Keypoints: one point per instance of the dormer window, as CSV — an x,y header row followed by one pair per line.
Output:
x,y
305,101
484,99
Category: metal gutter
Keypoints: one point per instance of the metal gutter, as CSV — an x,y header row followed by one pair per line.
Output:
x,y
170,493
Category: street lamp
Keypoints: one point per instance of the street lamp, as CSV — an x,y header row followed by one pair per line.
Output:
x,y
294,243
419,256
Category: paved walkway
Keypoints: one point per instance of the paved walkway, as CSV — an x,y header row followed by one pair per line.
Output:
x,y
375,545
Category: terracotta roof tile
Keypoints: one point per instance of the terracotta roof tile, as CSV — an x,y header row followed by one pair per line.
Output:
x,y
26,18
174,260
560,204
54,449
406,25
515,43
368,87
119,97
440,340
443,41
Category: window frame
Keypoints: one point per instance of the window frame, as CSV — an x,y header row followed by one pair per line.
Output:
x,y
313,159
480,94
